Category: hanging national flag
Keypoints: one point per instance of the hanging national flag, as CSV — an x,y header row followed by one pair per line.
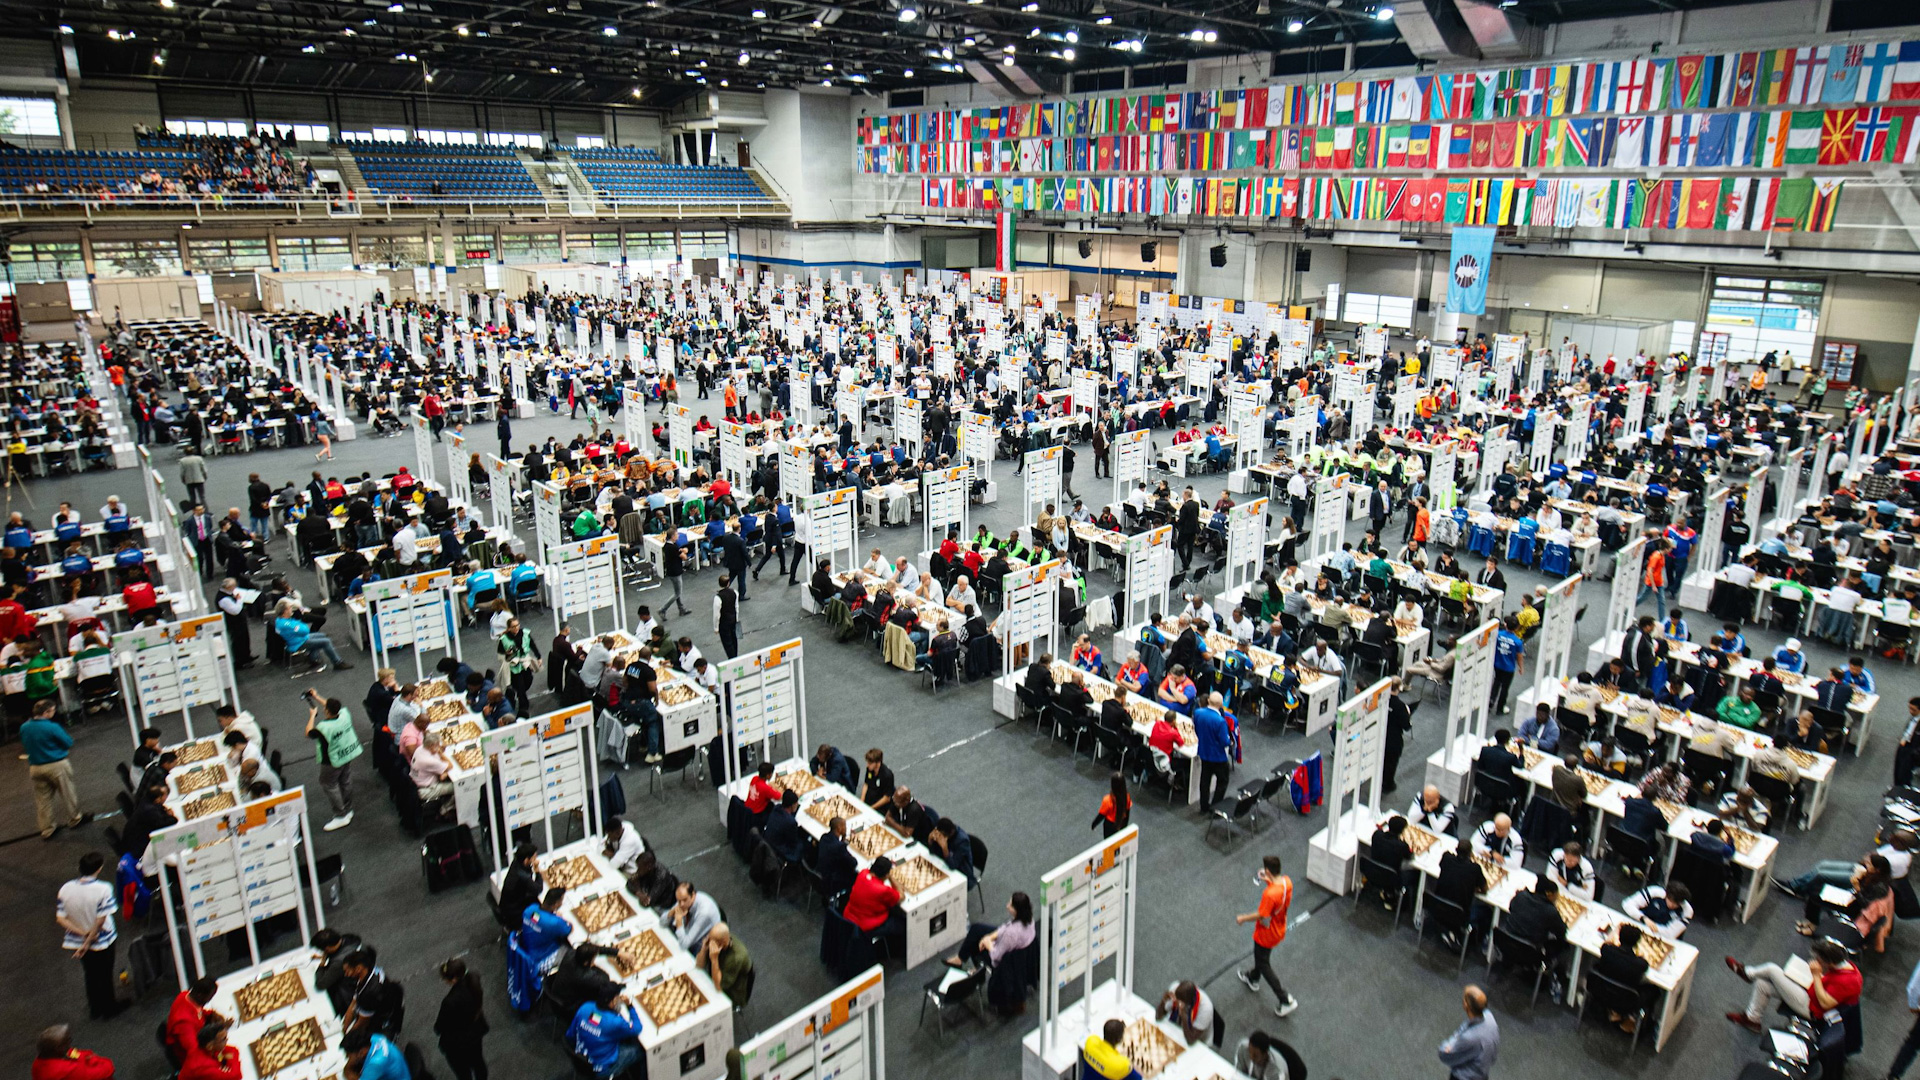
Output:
x,y
1574,141
1774,81
1343,99
1733,203
1600,148
1458,195
1906,73
1482,147
1459,146
1506,136
1791,204
1460,102
1566,211
1740,87
1379,109
1826,201
1485,94
1393,200
1005,260
1691,75
1715,147
1837,137
1632,83
1289,150
1363,144
1559,90
1769,139
1526,150
1803,138
1659,83
1416,203
1545,194
1420,146
1596,203
1809,74
1703,200
1397,146
1842,86
1323,147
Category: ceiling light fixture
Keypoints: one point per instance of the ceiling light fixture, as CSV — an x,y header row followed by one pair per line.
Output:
x,y
1034,32
168,4
65,29
1030,6
636,92
1104,20
429,75
1211,36
462,30
610,31
309,48
828,65
369,22
908,14
1067,55
743,58
968,42
1073,36
759,13
1007,60
908,73
1294,26
1264,7
826,82
1385,14
553,71
160,58
349,32
396,8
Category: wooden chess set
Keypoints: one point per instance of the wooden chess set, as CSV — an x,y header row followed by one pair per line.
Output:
x,y
1571,909
571,873
204,777
1742,840
873,841
199,750
1419,840
464,732
1531,757
1668,809
262,996
208,804
671,1000
1609,694
288,1045
435,688
799,781
1801,757
1672,715
1148,1047
678,692
834,806
1494,869
1596,784
601,912
469,757
638,953
1654,949
916,875
446,709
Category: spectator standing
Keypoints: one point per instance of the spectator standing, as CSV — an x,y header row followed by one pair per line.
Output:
x,y
1469,1053
462,1022
85,911
337,747
51,773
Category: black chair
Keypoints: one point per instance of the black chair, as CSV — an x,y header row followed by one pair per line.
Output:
x,y
1030,702
1705,878
1630,852
1572,723
1510,948
1779,795
1438,912
1235,819
1613,996
942,668
980,854
1708,773
1500,792
1634,744
1834,722
951,988
1382,879
1219,1029
1367,655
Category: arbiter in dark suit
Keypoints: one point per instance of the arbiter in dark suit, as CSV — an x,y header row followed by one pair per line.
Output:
x,y
1379,507
835,863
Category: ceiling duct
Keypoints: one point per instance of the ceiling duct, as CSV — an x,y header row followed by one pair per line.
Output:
x,y
1500,32
1435,30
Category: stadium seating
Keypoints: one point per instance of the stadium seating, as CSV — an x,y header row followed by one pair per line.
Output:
x,y
478,172
624,175
67,170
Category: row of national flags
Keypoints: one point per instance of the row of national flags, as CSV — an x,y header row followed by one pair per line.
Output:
x,y
1853,73
1751,204
1727,140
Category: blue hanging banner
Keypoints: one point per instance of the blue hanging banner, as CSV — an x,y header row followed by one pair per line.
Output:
x,y
1468,270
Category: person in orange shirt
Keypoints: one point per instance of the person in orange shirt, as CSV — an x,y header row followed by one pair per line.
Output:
x,y
1116,808
1654,579
732,399
1422,521
1269,930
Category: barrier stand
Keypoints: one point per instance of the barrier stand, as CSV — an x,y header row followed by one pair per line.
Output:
x,y
976,445
945,505
1786,506
1246,549
1817,477
1042,483
733,453
1495,451
500,475
1085,388
416,610
1132,455
423,447
173,667
799,396
908,428
1149,569
796,470
1027,616
841,1035
1469,698
849,405
1579,431
1333,852
542,766
1440,479
680,435
832,524
1540,452
224,871
1756,494
549,524
763,700
1086,921
1329,520
1636,413
459,480
1697,587
583,577
1560,610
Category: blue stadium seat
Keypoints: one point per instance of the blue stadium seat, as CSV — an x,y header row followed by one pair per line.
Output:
x,y
627,174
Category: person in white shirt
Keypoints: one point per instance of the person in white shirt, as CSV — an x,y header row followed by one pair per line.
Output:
x,y
1137,498
1665,911
1431,811
84,910
406,545
1200,611
962,594
907,574
1240,626
1549,518
1898,851
704,674
1740,574
113,508
1571,870
1408,611
643,629
878,566
1836,622
1323,659
1497,838
623,847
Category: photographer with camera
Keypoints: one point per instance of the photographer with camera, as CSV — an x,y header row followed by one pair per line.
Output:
x,y
337,746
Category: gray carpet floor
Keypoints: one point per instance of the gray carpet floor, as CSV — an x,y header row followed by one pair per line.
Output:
x,y
1371,1005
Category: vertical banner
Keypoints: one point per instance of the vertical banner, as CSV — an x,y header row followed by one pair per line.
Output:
x,y
1468,269
1132,456
1353,788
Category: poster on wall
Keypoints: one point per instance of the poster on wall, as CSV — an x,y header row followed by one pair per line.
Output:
x,y
1836,359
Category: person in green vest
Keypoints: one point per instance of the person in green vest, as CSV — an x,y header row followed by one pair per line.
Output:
x,y
330,726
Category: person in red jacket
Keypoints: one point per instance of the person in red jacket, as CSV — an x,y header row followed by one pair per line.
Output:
x,y
212,1059
187,1016
56,1059
761,793
872,904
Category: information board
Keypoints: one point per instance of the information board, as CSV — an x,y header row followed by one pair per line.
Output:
x,y
833,526
1042,474
225,871
763,696
1087,918
500,491
907,424
585,577
1149,569
543,766
415,611
172,668
1028,613
459,480
733,452
549,520
945,495
840,1036
976,441
680,435
1132,456
423,448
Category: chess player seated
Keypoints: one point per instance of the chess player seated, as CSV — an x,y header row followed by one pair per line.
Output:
x,y
1570,869
1831,982
1100,1056
1432,812
1497,839
1869,907
1664,910
1388,845
1533,917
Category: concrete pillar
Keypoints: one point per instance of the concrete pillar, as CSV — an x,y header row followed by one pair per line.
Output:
x,y
1250,268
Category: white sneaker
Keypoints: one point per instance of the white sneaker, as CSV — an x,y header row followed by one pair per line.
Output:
x,y
338,823
1252,979
1286,1006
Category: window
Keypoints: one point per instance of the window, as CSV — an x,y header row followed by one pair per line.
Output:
x,y
80,294
1087,82
136,258
1163,75
704,245
314,253
650,252
234,128
503,138
317,133
223,255
449,138
390,134
519,248
1762,315
46,261
393,252
594,247
1387,310
590,142
29,116
356,136
474,248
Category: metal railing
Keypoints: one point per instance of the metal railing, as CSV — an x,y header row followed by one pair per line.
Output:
x,y
21,206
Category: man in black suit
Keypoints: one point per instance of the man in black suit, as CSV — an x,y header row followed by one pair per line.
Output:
x,y
780,830
1399,722
1637,647
1460,880
1618,961
1498,759
1388,845
1379,507
1532,917
1491,576
835,863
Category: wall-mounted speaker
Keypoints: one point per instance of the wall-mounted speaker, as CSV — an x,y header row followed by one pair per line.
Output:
x,y
1086,248
1302,260
1217,254
1148,251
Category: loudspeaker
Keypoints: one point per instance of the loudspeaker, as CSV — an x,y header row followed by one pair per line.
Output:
x,y
1148,251
1086,248
1217,254
1422,304
1302,260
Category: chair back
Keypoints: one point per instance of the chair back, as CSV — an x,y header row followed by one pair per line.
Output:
x,y
1380,875
1612,994
1516,949
979,852
1447,914
1243,805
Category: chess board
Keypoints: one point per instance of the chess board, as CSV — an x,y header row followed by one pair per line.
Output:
x,y
464,732
834,806
1790,678
1531,757
1801,757
1668,809
638,953
202,750
1654,950
601,912
257,999
289,1045
469,757
1596,784
677,693
1149,1048
1494,869
799,781
1418,840
434,688
671,1000
446,709
204,777
1743,841
916,875
1571,909
208,804
1672,715
571,873
873,841
1609,694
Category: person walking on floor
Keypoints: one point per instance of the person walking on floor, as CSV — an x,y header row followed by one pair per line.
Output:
x,y
1269,930
193,473
1469,1053
673,566
462,1023
503,426
85,911
726,616
1509,655
50,771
